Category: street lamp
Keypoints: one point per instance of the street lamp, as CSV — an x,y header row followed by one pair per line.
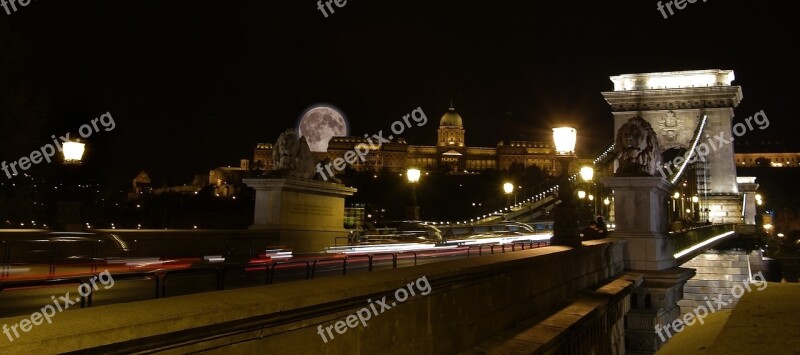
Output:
x,y
565,139
413,178
587,173
508,188
69,209
675,198
566,224
73,152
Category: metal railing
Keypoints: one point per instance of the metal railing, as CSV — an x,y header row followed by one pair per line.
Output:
x,y
342,260
138,275
160,277
502,247
86,301
52,257
4,266
685,239
244,267
271,278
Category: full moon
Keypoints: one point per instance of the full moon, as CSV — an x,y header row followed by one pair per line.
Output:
x,y
321,123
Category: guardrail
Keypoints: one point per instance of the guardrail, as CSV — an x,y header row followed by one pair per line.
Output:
x,y
244,267
136,275
687,238
160,277
274,264
86,301
502,247
4,266
52,257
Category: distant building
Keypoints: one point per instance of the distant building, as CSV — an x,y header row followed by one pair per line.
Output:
x,y
262,157
766,154
142,186
772,160
227,181
451,152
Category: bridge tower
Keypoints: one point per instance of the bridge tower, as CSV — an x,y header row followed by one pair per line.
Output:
x,y
674,103
683,108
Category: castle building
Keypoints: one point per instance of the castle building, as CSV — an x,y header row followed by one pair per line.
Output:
x,y
451,152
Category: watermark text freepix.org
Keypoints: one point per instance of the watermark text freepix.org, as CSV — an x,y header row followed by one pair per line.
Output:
x,y
48,312
48,151
361,151
327,3
366,313
702,150
13,7
679,4
701,312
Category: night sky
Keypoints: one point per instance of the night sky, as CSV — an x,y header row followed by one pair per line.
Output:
x,y
196,84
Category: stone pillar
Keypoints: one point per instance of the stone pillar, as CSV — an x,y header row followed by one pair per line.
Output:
x,y
307,215
641,219
748,187
640,204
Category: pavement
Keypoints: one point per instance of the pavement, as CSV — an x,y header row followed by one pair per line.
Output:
x,y
763,322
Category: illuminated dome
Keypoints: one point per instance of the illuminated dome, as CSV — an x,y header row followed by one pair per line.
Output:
x,y
451,118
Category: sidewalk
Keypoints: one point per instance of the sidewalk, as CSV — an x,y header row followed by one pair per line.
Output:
x,y
763,322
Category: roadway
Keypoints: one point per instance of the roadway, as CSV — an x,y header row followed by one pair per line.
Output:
x,y
26,300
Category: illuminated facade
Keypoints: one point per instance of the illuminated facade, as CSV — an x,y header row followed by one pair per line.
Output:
x,y
771,160
451,152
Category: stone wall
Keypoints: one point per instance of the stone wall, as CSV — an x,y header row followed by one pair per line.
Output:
x,y
717,273
470,300
724,208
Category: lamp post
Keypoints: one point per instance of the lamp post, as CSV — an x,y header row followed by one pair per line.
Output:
x,y
508,188
675,198
69,209
413,178
566,224
587,174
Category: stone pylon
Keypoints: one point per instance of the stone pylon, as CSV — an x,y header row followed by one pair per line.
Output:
x,y
641,219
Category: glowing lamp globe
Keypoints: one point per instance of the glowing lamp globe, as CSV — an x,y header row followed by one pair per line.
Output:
x,y
587,173
73,152
565,139
413,175
508,187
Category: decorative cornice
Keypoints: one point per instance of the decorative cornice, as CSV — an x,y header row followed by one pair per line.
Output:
x,y
674,99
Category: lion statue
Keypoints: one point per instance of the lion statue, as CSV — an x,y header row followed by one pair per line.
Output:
x,y
636,148
292,158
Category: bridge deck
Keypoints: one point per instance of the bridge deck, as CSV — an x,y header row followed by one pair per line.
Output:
x,y
773,311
